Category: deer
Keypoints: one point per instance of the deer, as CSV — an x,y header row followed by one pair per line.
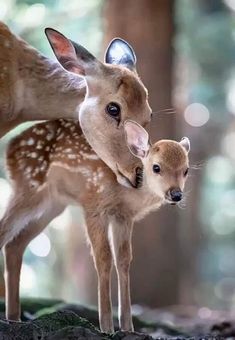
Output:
x,y
101,95
51,165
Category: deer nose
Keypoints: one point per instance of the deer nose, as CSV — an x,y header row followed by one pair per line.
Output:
x,y
176,195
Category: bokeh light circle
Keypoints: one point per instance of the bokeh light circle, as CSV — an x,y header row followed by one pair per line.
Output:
x,y
196,114
41,245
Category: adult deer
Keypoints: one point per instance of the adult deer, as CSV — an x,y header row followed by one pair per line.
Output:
x,y
101,95
50,166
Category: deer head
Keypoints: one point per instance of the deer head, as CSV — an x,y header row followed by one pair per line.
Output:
x,y
165,163
114,94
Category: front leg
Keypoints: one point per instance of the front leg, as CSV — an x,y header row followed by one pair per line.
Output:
x,y
120,237
102,256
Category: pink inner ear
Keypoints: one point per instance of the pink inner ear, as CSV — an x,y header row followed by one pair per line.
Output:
x,y
137,139
65,52
61,45
137,135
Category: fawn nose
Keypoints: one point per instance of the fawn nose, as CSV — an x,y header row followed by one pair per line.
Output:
x,y
176,194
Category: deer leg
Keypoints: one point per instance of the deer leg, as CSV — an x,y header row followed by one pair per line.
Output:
x,y
13,254
102,257
120,238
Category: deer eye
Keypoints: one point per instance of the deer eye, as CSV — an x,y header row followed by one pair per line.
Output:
x,y
114,110
156,168
186,172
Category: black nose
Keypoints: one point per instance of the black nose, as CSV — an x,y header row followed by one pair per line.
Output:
x,y
176,195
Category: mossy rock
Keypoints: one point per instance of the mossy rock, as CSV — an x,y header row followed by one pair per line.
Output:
x,y
91,314
60,326
30,306
48,326
53,319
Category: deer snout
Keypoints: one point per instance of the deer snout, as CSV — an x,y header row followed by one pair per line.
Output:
x,y
175,194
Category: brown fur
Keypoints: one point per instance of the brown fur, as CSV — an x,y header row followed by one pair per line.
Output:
x,y
172,155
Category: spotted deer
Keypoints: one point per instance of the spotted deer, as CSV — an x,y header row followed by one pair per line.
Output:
x,y
101,95
50,166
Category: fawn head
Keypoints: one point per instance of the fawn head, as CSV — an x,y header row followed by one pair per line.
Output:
x,y
165,163
114,93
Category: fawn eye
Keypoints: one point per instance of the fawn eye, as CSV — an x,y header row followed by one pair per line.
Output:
x,y
186,172
156,168
114,110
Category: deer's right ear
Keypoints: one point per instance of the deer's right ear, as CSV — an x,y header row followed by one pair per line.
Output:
x,y
137,139
119,52
72,56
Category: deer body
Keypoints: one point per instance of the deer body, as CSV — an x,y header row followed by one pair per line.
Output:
x,y
50,166
100,95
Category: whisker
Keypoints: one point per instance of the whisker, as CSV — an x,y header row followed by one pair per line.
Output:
x,y
187,193
197,166
165,111
182,205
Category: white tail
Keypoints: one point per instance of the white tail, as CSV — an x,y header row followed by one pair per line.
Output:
x,y
101,95
51,165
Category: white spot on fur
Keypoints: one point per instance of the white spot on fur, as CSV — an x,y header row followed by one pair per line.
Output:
x,y
90,156
68,150
72,156
22,143
39,147
30,141
39,131
49,137
34,154
28,169
100,189
60,136
43,166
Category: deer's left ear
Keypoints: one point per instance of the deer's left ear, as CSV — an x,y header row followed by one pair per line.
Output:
x,y
119,52
137,139
185,142
72,56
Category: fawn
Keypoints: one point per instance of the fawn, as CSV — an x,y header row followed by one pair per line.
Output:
x,y
101,95
51,165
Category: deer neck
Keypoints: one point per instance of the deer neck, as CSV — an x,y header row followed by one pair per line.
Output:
x,y
49,92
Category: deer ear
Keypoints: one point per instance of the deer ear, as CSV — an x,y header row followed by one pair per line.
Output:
x,y
119,52
72,56
185,143
137,139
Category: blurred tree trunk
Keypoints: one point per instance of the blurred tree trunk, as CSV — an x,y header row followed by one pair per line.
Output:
x,y
148,25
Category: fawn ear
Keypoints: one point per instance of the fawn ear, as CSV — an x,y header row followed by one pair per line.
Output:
x,y
185,142
137,139
119,52
72,56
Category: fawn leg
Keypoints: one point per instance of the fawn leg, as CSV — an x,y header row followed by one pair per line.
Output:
x,y
120,238
102,256
13,254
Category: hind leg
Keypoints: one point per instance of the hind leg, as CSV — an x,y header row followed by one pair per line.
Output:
x,y
13,254
22,209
